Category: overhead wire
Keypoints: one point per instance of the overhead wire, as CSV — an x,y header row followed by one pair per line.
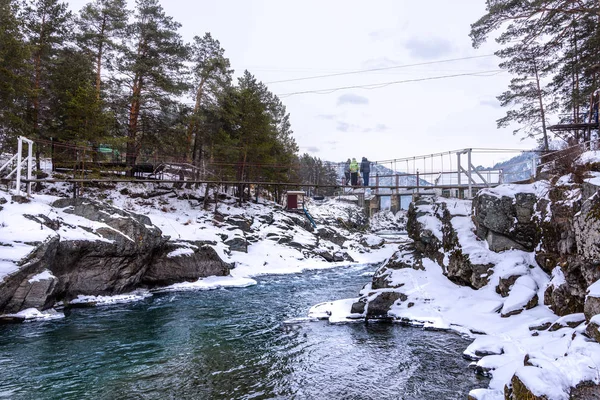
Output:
x,y
384,84
361,71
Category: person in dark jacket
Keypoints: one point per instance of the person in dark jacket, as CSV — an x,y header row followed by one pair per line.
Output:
x,y
365,169
347,173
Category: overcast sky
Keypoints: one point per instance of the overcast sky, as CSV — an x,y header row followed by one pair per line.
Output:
x,y
278,40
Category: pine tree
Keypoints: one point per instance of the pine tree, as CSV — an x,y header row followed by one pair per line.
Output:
x,y
77,115
47,28
526,91
153,64
569,32
211,75
14,85
102,24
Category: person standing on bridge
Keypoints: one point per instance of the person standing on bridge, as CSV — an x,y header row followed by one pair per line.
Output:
x,y
354,172
365,169
347,172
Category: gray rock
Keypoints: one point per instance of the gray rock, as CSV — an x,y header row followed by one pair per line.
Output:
x,y
462,272
14,289
499,242
585,390
237,244
591,307
239,222
203,262
332,236
36,294
511,222
505,284
593,331
587,230
562,300
381,304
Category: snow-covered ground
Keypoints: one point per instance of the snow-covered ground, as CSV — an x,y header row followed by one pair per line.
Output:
x,y
183,219
558,358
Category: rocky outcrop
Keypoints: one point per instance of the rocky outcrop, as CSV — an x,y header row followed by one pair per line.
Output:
x,y
112,264
506,222
184,261
380,304
570,230
20,290
123,251
426,241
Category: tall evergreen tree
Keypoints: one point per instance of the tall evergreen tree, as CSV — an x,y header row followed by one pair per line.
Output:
x,y
77,114
569,32
152,65
101,26
47,27
211,75
14,70
526,91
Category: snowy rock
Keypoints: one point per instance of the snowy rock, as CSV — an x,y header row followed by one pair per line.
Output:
x,y
201,260
378,307
568,321
522,296
586,390
565,294
237,243
532,383
239,221
506,222
505,284
587,230
20,290
591,307
406,257
112,264
462,271
331,235
593,329
425,228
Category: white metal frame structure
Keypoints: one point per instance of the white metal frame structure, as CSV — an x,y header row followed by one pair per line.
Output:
x,y
20,162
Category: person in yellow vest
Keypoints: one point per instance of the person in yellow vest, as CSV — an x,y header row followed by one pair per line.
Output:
x,y
354,172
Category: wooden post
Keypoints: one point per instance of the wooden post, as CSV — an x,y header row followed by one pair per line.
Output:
x,y
469,177
417,181
377,183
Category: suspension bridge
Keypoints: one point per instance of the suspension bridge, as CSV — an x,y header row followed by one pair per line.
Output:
x,y
451,174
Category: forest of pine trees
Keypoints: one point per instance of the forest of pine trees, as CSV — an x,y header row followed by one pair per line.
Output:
x,y
112,78
552,47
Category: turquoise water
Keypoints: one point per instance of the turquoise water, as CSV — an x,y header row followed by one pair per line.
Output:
x,y
232,344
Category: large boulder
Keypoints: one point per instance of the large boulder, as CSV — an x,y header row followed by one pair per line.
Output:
x,y
380,304
22,290
184,261
506,222
587,230
115,262
424,227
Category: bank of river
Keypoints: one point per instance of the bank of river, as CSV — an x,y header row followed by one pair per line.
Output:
x,y
237,343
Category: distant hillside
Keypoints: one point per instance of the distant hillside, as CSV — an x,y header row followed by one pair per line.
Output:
x,y
518,168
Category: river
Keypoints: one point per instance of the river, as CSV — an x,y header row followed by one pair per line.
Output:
x,y
237,343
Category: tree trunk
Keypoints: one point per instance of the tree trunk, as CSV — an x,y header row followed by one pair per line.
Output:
x,y
542,110
99,57
192,127
134,112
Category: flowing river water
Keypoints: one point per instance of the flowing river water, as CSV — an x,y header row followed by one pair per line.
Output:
x,y
238,343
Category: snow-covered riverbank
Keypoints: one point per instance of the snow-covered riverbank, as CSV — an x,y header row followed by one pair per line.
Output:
x,y
254,239
529,343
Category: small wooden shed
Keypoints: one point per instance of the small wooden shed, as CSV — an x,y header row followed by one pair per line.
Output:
x,y
294,199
